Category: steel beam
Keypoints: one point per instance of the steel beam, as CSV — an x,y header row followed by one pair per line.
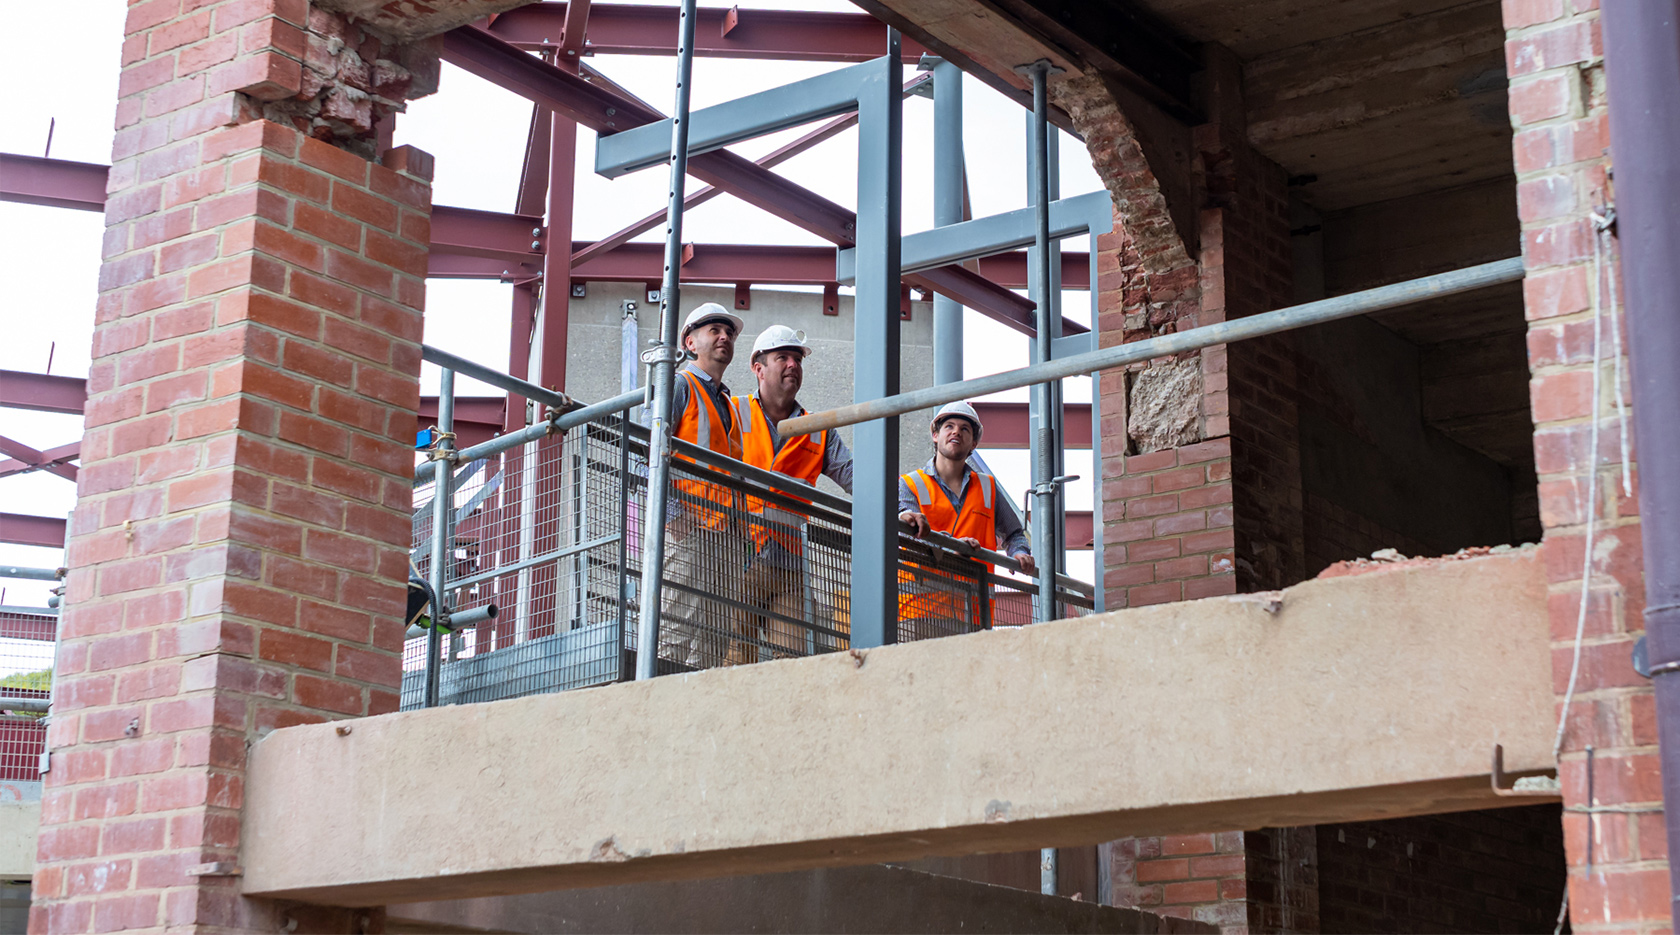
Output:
x,y
505,238
55,183
711,128
774,265
1007,424
22,529
1069,217
62,453
607,111
781,35
18,450
41,392
823,133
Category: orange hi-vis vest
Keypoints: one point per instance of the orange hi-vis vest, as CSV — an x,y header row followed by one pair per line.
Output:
x,y
975,519
702,425
801,458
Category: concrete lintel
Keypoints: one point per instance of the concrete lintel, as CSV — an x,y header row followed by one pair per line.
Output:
x,y
1367,696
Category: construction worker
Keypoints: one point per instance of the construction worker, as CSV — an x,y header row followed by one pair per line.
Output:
x,y
704,551
776,578
951,497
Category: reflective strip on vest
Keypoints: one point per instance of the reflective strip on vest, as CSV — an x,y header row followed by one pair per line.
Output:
x,y
922,495
985,488
743,409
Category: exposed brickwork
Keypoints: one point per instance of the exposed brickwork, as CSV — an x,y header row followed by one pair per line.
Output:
x,y
1558,107
1189,876
241,529
1176,540
1499,870
1283,880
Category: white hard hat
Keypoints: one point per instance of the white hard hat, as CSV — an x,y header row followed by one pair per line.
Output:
x,y
780,336
710,311
959,409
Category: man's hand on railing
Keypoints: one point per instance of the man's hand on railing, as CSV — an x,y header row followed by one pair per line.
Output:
x,y
1028,566
913,518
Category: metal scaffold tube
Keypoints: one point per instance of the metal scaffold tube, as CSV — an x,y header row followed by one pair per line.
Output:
x,y
664,360
1399,294
948,180
1043,441
442,514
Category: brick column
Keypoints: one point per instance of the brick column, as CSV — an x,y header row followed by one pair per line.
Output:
x,y
241,529
1558,103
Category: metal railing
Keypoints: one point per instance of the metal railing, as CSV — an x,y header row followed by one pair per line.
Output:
x,y
546,526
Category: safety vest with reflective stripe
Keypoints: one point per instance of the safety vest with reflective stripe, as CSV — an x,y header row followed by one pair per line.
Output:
x,y
975,519
801,457
702,425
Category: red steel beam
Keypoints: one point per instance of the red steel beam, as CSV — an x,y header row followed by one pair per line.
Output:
x,y
55,183
60,455
726,263
823,133
37,459
477,418
41,392
22,529
1006,424
605,111
783,35
1079,529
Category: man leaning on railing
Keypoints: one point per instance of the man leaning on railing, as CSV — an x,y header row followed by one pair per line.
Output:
x,y
777,577
704,548
949,496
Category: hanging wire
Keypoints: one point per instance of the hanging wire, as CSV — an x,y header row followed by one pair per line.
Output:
x,y
1592,482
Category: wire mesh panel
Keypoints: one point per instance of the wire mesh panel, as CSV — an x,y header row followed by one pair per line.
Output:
x,y
26,671
757,567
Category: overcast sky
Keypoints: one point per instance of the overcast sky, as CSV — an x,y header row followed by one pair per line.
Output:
x,y
49,258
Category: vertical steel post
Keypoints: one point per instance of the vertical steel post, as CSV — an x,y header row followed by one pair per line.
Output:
x,y
664,371
874,594
443,516
948,172
1043,439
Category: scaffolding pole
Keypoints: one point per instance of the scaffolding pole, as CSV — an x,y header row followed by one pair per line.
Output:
x,y
442,517
1043,439
948,176
1397,295
664,359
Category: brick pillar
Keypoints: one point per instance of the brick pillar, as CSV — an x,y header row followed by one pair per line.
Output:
x,y
1558,104
241,528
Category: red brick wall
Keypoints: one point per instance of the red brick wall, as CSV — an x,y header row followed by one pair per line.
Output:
x,y
1175,540
241,528
1499,870
1558,103
1189,876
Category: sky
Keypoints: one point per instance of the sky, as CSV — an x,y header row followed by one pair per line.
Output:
x,y
49,257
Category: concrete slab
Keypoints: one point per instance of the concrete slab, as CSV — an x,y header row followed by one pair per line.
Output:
x,y
1371,695
870,899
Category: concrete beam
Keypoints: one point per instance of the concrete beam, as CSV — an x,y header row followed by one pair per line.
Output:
x,y
1367,696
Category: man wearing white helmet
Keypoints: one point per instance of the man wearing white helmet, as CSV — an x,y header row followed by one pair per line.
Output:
x,y
704,554
949,496
775,578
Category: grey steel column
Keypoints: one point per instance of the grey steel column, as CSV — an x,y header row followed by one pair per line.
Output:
x,y
948,174
664,359
874,595
443,516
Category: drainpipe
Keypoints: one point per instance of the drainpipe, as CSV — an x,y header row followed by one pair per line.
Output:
x,y
1642,61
